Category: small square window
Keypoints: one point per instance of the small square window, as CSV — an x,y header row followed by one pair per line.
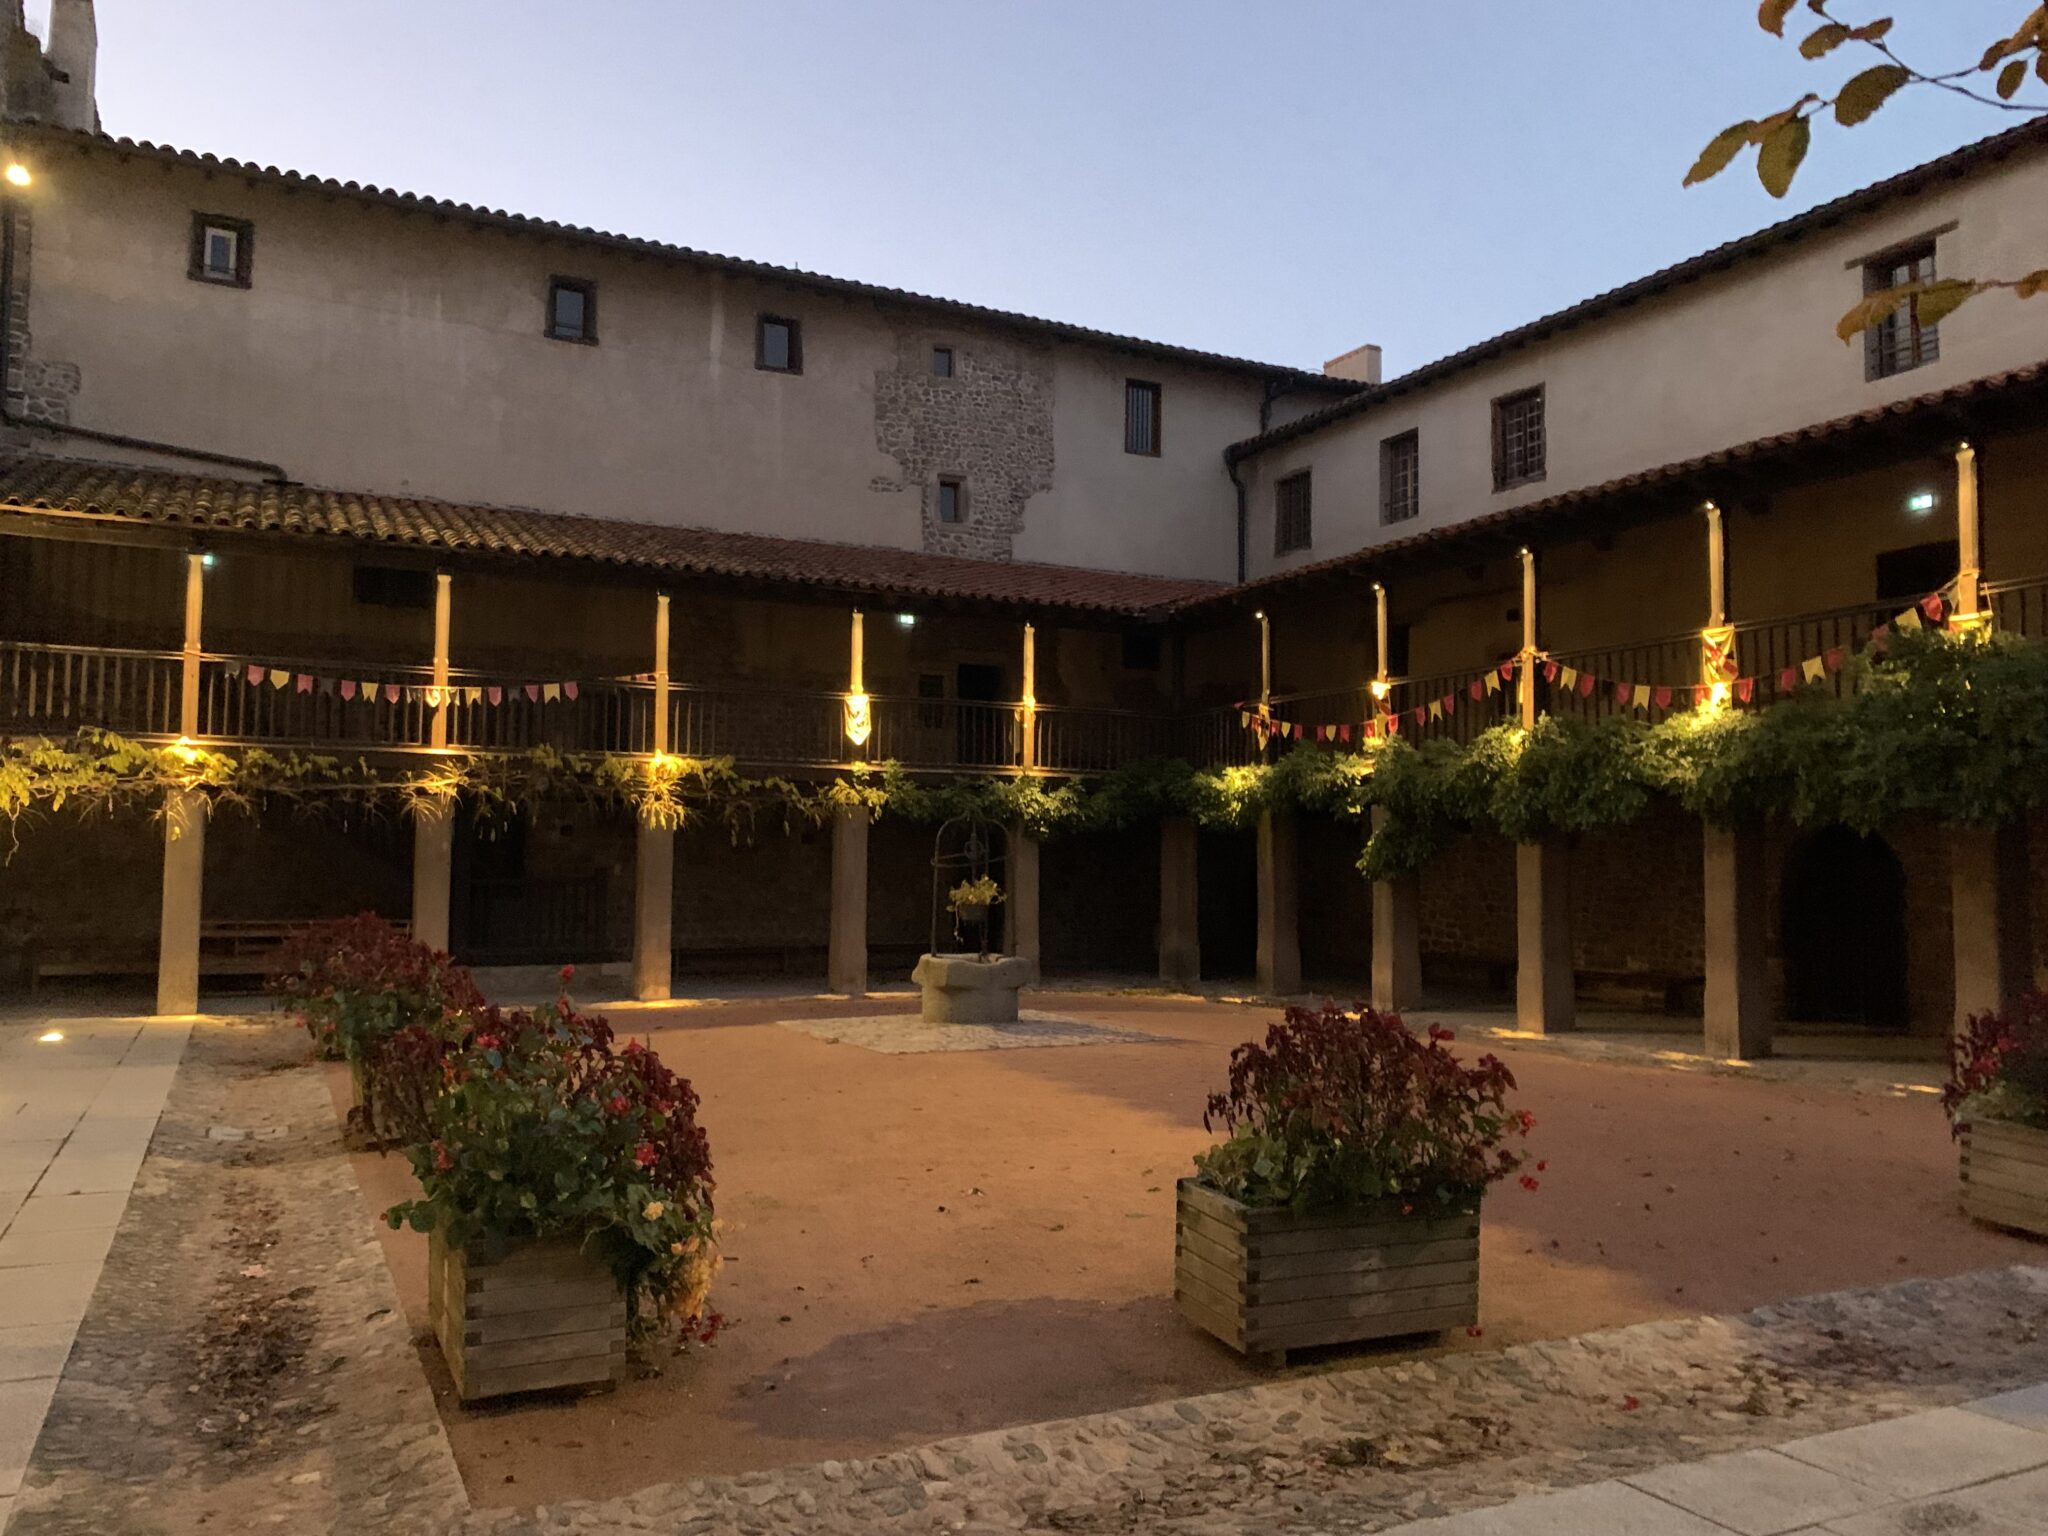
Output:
x,y
942,362
778,345
572,309
1141,650
384,586
221,248
1293,527
952,501
1899,342
1400,477
1519,444
1141,417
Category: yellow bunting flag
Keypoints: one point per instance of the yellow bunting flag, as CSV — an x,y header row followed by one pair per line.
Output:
x,y
472,695
550,691
1908,621
1436,709
279,679
1568,678
1813,669
1493,681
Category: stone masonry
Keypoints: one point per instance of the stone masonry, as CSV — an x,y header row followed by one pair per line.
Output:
x,y
989,426
38,389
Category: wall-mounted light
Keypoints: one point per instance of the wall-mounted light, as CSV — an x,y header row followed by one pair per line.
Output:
x,y
1920,503
18,174
208,560
50,1036
1379,687
906,621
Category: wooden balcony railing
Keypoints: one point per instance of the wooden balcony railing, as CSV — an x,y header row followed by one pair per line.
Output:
x,y
55,689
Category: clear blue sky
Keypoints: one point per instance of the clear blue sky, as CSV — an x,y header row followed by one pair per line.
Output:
x,y
1280,179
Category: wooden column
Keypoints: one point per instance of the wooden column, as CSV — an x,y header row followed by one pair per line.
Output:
x,y
443,606
846,963
195,603
1969,541
1180,941
1382,678
1738,994
1396,938
184,879
1027,713
1991,902
1279,936
1526,676
1717,636
859,720
661,646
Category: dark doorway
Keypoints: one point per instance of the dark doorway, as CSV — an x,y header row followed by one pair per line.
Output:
x,y
1844,931
500,913
983,731
1907,575
1227,904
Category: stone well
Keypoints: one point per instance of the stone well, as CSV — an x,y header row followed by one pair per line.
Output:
x,y
967,989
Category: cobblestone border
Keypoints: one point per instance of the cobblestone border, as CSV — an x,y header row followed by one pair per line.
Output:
x,y
1365,1449
245,1364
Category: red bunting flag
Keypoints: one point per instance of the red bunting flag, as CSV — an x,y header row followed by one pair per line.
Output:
x,y
1745,688
1624,692
532,691
391,693
1661,697
1931,606
1450,703
1478,689
255,673
1550,671
1587,683
1833,658
1507,671
348,688
1788,679
304,682
1344,734
1421,713
568,690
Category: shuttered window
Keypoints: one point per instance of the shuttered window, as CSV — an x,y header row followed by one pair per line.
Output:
x,y
1292,526
1400,477
1141,417
1899,341
1519,442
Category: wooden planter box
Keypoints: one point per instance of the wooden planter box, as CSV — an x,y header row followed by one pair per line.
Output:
x,y
541,1314
2005,1175
1267,1281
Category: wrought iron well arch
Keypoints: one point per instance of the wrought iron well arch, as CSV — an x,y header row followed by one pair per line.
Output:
x,y
967,848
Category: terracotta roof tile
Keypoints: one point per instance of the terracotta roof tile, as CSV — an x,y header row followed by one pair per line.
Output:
x,y
35,482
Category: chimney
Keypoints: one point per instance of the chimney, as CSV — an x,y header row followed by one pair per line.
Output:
x,y
74,52
1361,365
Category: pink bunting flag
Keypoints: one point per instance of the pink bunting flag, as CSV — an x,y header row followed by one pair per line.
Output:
x,y
1661,698
495,694
1832,658
1344,734
1931,606
1623,692
1393,725
348,688
391,693
1587,683
1450,703
532,692
569,690
303,683
1477,690
1550,671
1421,714
254,673
1507,671
1788,679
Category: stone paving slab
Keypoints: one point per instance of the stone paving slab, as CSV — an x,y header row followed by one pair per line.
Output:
x,y
905,1034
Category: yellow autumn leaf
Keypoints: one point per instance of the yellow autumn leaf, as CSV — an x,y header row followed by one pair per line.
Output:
x,y
1863,95
1720,150
1778,161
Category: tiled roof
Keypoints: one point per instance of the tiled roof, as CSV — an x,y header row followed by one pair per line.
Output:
x,y
34,482
2023,388
1971,157
682,255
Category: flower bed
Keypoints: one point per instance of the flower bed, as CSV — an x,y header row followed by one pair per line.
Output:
x,y
356,983
1997,1102
553,1163
1343,1203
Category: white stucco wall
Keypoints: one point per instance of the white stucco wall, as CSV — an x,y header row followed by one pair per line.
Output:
x,y
1708,366
403,353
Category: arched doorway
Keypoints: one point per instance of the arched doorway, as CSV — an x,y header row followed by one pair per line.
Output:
x,y
1844,931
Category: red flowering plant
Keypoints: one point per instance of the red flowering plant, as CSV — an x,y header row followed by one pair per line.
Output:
x,y
1339,1106
536,1126
356,981
1998,1066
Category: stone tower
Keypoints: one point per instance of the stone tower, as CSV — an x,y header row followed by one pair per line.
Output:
x,y
50,83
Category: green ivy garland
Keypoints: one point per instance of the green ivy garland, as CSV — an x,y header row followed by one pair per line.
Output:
x,y
1949,726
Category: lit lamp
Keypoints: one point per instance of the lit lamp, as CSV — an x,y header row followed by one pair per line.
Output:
x,y
18,174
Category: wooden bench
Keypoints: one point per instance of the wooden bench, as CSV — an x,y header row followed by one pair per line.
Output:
x,y
238,947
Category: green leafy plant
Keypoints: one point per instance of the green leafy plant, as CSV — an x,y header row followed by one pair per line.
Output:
x,y
1340,1106
536,1126
973,897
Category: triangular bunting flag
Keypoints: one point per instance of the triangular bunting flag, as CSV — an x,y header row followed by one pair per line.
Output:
x,y
348,688
551,691
1568,678
1344,734
304,682
255,672
1450,703
532,692
434,697
1624,692
1931,605
1909,621
472,695
1507,671
1492,681
1832,658
1550,671
569,690
1477,690
279,677
495,694
1788,679
1436,709
1813,669
391,693
1587,683
1663,698
1745,688
1421,715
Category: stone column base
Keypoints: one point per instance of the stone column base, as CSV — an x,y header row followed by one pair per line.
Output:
x,y
1545,993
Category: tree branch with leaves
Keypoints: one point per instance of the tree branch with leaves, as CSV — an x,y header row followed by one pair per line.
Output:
x,y
1781,140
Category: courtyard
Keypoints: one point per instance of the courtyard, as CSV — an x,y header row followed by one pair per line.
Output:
x,y
929,1245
